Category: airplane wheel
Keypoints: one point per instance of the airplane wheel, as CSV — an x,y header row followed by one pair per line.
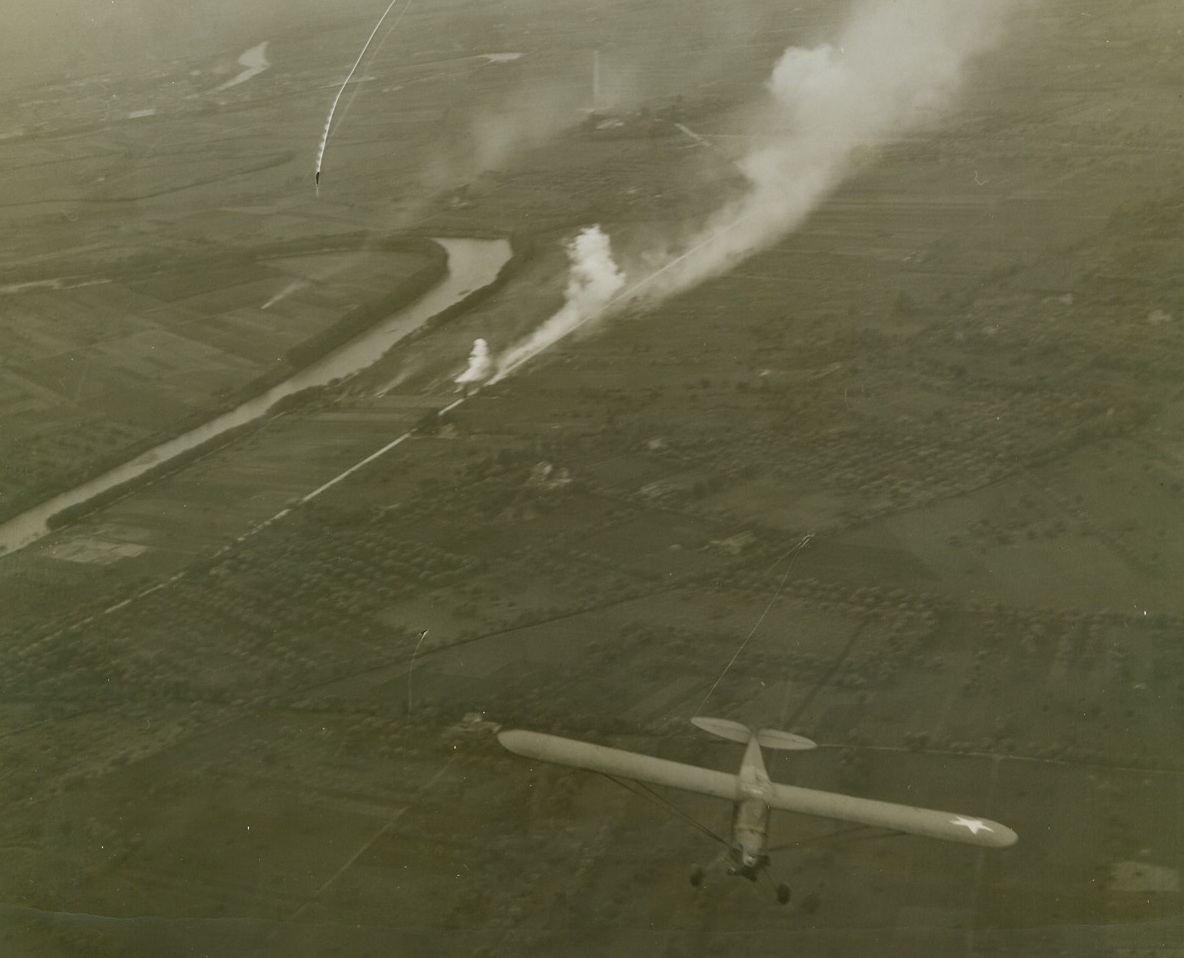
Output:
x,y
782,894
697,876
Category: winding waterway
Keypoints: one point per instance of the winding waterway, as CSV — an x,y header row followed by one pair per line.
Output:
x,y
472,263
253,61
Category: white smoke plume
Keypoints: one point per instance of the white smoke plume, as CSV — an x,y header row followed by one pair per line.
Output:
x,y
896,66
480,366
593,281
292,287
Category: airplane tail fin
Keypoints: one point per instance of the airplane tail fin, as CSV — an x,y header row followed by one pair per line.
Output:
x,y
767,737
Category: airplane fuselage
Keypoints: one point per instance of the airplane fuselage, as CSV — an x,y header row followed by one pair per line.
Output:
x,y
750,835
750,817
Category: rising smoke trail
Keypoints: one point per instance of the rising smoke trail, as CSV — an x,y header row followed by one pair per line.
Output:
x,y
287,291
592,283
896,66
349,76
594,288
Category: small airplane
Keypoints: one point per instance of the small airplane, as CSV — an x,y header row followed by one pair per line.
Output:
x,y
754,794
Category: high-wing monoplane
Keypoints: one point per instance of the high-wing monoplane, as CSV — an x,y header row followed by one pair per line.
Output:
x,y
753,794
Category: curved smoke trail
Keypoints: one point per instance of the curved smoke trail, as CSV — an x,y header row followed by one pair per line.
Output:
x,y
349,76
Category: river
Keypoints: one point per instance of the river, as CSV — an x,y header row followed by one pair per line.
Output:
x,y
253,61
472,264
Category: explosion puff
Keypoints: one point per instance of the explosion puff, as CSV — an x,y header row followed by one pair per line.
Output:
x,y
480,365
592,282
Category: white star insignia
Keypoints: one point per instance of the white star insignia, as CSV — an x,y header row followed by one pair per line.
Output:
x,y
975,825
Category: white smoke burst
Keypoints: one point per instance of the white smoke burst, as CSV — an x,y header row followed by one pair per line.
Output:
x,y
480,366
896,66
593,281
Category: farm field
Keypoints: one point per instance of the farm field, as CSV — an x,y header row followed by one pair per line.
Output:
x,y
906,482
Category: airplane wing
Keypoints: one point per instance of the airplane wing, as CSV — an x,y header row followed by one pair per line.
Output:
x,y
615,761
929,822
947,826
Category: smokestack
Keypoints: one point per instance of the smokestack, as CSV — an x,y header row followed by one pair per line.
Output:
x,y
595,80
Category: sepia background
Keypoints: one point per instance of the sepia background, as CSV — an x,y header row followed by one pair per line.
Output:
x,y
830,381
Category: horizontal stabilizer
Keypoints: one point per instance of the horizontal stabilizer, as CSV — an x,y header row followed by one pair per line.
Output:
x,y
724,728
775,738
768,737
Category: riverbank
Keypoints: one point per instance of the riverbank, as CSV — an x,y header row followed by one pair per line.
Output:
x,y
472,264
138,352
523,247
